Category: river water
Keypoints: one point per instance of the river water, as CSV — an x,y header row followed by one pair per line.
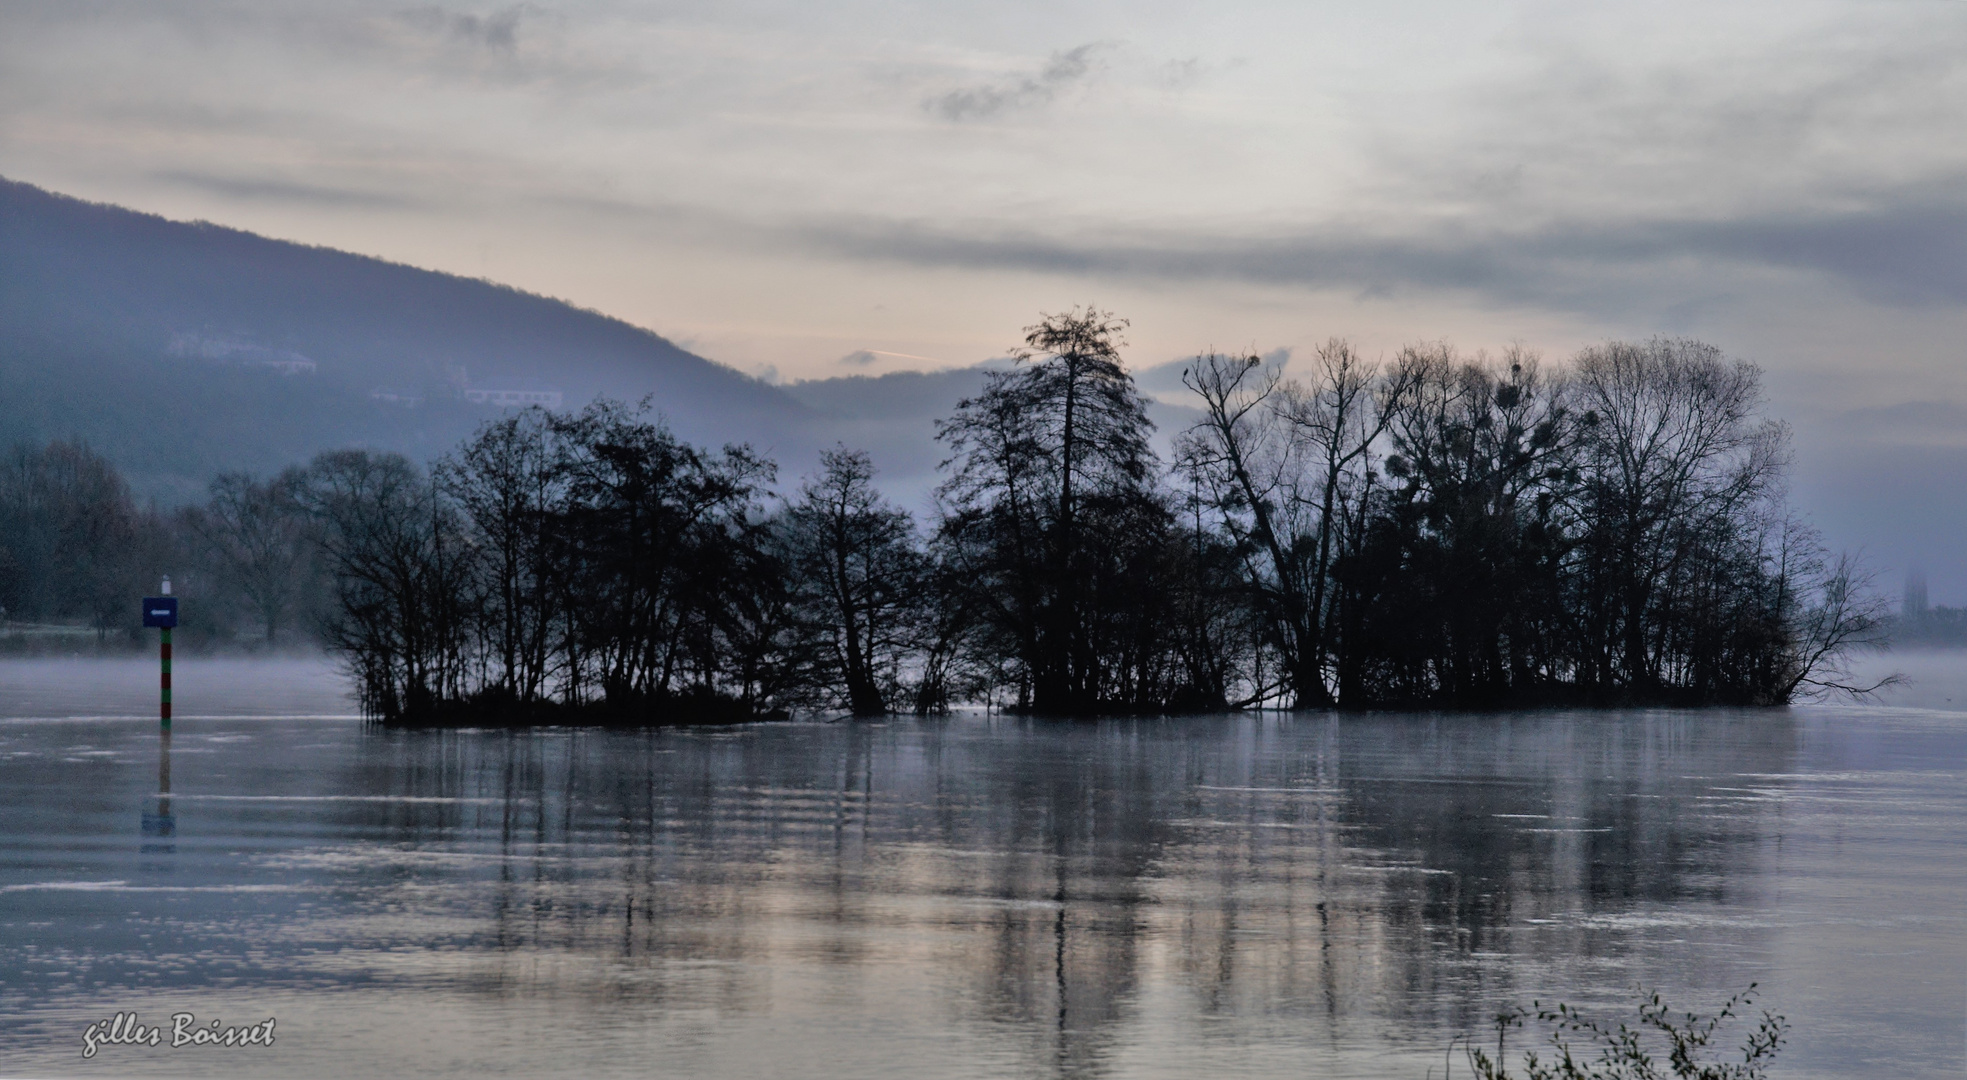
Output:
x,y
1221,896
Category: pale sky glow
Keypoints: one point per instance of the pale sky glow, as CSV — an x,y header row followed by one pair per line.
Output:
x,y
820,189
1588,167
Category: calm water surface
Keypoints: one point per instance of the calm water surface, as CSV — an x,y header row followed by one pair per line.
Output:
x,y
1216,896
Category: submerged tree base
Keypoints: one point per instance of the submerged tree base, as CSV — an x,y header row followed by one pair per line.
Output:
x,y
1519,699
504,711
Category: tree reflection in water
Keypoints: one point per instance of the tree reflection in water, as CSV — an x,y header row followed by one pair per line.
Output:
x,y
1367,877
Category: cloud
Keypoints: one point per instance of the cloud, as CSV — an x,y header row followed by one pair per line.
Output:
x,y
498,31
1911,253
268,190
1019,91
1600,110
1606,162
1166,378
1897,250
1907,423
864,357
1178,74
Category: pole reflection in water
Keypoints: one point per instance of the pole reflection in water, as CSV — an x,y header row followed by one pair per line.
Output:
x,y
161,828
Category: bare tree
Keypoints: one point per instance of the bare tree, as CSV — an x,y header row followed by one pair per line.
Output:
x,y
1478,503
1290,467
651,524
1832,611
1051,491
1674,455
256,536
509,482
403,580
71,540
860,565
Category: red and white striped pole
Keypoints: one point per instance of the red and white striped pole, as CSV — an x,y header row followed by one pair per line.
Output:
x,y
161,611
164,657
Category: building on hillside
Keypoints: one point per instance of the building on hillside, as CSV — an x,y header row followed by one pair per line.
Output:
x,y
408,399
513,394
238,352
297,365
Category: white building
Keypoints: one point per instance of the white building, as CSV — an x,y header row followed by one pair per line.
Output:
x,y
513,395
406,398
241,353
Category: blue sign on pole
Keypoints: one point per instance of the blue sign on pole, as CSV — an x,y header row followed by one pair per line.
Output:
x,y
160,611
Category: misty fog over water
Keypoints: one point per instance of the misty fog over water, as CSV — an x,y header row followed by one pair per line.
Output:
x,y
1241,895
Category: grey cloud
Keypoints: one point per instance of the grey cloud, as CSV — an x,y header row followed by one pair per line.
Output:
x,y
1855,114
992,99
263,190
522,44
1909,254
1907,423
495,31
1905,248
1179,74
1909,251
858,358
1166,378
498,31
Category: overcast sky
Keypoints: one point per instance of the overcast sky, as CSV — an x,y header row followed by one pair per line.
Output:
x,y
811,189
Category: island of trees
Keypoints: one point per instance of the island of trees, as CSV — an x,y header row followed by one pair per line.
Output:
x,y
1427,530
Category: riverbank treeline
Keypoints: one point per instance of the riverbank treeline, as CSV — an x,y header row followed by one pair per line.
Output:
x,y
1428,530
77,551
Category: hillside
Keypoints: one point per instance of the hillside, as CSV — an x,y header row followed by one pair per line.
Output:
x,y
180,349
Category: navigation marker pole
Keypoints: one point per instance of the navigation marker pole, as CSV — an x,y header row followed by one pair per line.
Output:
x,y
162,612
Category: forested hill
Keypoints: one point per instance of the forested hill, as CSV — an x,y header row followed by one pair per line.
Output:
x,y
179,350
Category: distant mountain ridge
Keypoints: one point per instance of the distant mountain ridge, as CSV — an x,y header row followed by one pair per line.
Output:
x,y
183,348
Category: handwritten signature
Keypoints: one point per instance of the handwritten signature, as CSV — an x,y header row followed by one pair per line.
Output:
x,y
123,1029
